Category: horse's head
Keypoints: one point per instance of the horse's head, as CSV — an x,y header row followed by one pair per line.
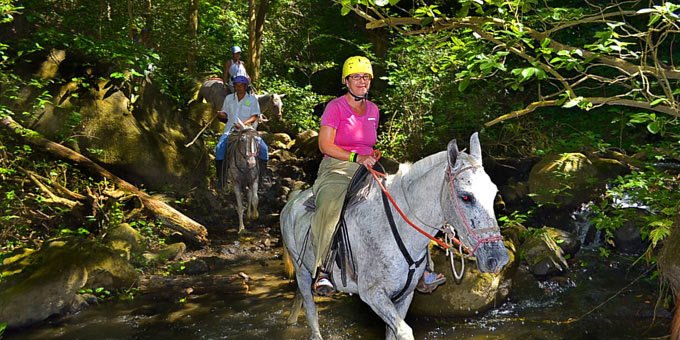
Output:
x,y
272,104
468,200
248,146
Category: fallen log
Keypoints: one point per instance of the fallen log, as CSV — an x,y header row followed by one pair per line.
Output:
x,y
178,286
192,231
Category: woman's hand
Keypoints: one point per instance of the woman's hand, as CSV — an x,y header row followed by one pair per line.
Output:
x,y
366,160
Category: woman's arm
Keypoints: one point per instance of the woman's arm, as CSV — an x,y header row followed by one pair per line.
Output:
x,y
328,147
227,64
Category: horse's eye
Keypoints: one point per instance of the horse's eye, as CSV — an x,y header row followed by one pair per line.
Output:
x,y
466,198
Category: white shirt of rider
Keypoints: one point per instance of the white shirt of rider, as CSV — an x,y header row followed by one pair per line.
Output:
x,y
243,109
237,69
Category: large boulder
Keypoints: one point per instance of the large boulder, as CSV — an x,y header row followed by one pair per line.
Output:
x,y
475,293
563,180
46,282
125,124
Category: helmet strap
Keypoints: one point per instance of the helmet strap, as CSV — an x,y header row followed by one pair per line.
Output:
x,y
357,98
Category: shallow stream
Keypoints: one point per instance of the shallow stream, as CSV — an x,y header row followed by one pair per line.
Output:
x,y
603,300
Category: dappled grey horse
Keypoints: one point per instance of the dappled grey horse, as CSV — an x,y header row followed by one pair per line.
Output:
x,y
450,187
213,91
242,169
271,105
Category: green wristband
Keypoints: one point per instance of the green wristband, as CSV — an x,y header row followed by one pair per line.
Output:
x,y
353,157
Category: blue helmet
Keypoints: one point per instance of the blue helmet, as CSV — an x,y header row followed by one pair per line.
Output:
x,y
240,80
235,49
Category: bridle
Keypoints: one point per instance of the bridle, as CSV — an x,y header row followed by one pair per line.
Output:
x,y
475,234
449,232
251,149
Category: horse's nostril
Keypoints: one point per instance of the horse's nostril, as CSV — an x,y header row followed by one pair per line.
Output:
x,y
492,263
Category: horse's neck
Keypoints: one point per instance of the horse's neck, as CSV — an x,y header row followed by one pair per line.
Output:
x,y
418,193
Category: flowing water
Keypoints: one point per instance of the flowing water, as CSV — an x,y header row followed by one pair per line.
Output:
x,y
596,300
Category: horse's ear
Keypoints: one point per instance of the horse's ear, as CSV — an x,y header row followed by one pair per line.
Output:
x,y
452,152
282,95
475,147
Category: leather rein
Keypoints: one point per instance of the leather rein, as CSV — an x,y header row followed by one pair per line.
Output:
x,y
449,232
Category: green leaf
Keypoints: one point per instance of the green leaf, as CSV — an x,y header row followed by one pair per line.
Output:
x,y
654,127
528,72
463,84
426,21
657,101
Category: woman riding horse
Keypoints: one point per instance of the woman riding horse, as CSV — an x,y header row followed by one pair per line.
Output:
x,y
347,136
239,110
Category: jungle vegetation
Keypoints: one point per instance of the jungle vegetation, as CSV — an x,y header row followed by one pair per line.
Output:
x,y
534,76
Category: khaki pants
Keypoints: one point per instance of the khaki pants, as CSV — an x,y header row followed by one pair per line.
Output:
x,y
329,188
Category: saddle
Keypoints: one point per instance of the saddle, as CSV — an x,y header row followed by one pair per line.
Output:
x,y
340,252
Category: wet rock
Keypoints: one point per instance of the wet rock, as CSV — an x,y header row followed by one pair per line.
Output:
x,y
170,252
280,140
49,279
563,180
196,267
477,292
543,255
627,238
306,144
283,155
125,239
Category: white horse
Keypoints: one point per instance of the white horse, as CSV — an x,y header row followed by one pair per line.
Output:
x,y
214,91
242,168
387,259
271,105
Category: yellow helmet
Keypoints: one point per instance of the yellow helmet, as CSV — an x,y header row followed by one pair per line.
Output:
x,y
356,64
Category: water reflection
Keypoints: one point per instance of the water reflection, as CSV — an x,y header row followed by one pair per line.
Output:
x,y
562,308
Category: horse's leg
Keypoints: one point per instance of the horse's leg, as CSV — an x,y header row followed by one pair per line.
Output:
x,y
388,312
239,205
253,214
295,309
402,308
304,281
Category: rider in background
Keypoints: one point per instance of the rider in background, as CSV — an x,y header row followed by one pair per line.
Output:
x,y
234,67
240,110
347,136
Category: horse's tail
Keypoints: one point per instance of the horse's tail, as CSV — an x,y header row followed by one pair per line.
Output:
x,y
675,325
288,263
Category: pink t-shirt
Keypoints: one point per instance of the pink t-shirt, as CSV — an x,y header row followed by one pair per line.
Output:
x,y
353,133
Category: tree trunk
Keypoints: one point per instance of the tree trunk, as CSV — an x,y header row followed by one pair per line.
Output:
x,y
193,33
190,229
257,13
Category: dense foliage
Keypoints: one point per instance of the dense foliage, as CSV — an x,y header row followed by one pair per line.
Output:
x,y
533,77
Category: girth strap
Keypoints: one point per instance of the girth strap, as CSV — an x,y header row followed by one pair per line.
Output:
x,y
412,265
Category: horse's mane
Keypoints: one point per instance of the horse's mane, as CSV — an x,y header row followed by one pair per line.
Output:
x,y
422,165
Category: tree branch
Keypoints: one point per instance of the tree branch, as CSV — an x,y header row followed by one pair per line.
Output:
x,y
595,100
175,220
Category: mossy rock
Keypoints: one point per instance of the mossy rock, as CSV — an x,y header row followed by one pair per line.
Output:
x,y
167,253
476,293
50,278
125,239
563,180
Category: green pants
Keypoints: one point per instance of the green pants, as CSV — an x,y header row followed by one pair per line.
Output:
x,y
329,189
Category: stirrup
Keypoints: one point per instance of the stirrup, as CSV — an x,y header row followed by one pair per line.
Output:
x,y
322,285
429,282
